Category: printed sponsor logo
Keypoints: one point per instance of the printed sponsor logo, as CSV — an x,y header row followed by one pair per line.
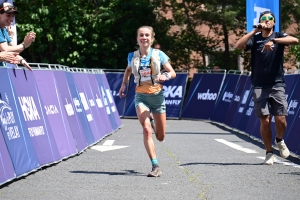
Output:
x,y
237,98
83,101
77,105
241,109
51,110
292,107
172,102
207,96
227,96
8,121
69,108
245,96
28,108
173,91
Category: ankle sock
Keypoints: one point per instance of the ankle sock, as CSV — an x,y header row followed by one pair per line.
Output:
x,y
278,140
154,161
269,152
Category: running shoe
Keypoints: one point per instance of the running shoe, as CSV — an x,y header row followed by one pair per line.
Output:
x,y
269,159
284,151
155,172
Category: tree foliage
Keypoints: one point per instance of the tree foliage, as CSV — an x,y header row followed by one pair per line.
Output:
x,y
100,33
89,33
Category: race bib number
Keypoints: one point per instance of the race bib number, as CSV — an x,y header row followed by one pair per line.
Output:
x,y
145,74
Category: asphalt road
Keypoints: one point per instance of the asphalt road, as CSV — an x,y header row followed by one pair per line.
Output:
x,y
199,160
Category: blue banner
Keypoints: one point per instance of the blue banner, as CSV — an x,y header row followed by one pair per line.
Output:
x,y
245,98
226,97
255,7
107,99
202,96
31,107
88,104
103,117
237,98
7,171
114,80
129,99
14,128
292,136
111,102
69,110
79,109
53,111
174,91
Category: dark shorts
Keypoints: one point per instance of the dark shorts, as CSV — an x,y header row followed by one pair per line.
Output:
x,y
154,102
270,101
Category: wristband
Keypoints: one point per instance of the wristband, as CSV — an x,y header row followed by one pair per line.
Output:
x,y
124,83
22,60
168,75
24,47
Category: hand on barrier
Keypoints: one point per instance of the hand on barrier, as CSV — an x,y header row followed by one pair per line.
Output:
x,y
23,62
10,57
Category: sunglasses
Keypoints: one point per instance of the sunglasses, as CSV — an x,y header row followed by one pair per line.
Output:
x,y
8,8
264,18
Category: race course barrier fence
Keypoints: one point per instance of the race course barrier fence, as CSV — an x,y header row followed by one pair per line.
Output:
x,y
50,114
224,98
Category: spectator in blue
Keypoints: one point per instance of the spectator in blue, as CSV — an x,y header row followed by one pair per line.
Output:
x,y
267,76
146,63
7,15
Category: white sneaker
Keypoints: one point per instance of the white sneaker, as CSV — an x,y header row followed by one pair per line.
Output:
x,y
269,159
284,151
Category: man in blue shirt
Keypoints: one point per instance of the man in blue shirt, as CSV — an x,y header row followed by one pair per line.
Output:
x,y
7,15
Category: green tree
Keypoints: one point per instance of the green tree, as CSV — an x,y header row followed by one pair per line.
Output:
x,y
83,33
204,27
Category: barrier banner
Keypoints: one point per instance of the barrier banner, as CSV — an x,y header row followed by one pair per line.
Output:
x,y
54,112
111,102
114,80
14,129
174,91
104,119
130,96
202,96
292,136
236,99
246,97
89,105
7,171
80,115
30,105
253,126
225,97
68,110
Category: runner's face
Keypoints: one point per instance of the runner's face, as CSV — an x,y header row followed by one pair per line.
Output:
x,y
144,37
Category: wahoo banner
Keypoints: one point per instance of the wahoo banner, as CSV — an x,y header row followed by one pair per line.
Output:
x,y
202,96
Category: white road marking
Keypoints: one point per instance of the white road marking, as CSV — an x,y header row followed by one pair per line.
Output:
x,y
282,162
236,146
108,143
107,146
